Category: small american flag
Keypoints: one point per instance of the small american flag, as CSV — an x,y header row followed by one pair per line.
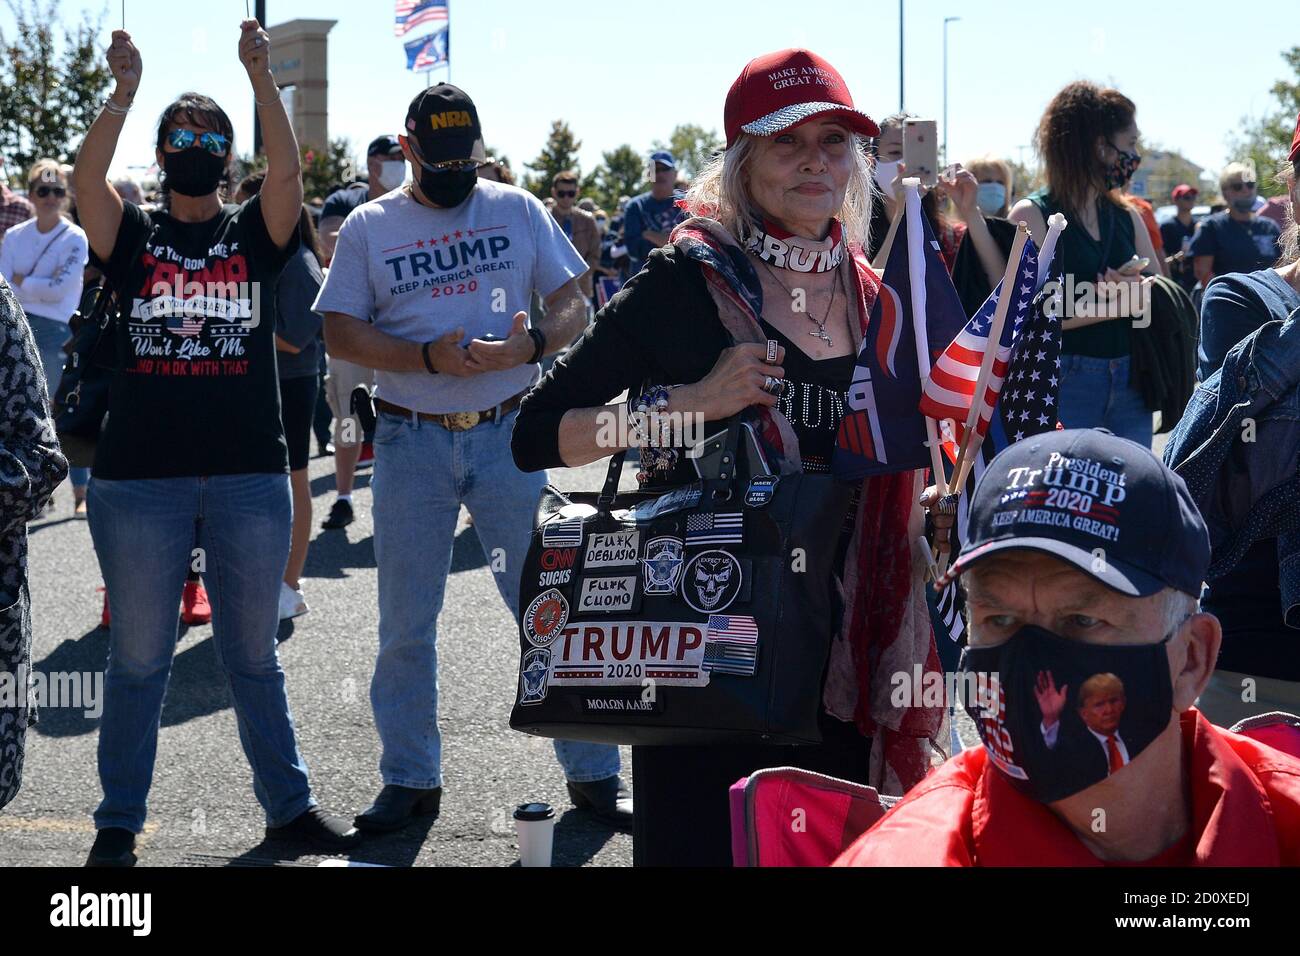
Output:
x,y
739,628
714,528
425,53
186,323
412,13
1027,407
731,645
562,534
950,390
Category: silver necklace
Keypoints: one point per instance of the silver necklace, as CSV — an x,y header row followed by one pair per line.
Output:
x,y
820,331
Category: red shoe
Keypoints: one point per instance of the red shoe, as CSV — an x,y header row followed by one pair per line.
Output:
x,y
195,608
105,621
367,456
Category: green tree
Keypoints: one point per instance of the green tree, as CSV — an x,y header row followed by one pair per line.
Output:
x,y
559,153
1266,140
620,173
692,146
50,89
325,170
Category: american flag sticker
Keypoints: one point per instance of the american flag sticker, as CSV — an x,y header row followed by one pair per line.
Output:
x,y
714,528
562,534
731,645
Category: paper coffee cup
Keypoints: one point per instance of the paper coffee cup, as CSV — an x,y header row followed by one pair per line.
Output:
x,y
535,825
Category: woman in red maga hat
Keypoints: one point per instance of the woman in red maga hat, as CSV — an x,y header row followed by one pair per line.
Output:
x,y
758,304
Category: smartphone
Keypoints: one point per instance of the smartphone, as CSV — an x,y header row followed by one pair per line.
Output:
x,y
921,150
1133,266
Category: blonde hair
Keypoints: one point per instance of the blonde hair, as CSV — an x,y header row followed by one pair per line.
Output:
x,y
992,167
46,171
1290,241
721,191
1243,171
1099,684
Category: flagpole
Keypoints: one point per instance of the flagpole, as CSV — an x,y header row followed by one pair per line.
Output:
x,y
990,353
916,272
1056,224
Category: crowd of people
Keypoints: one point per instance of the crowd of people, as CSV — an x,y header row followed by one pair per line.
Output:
x,y
406,321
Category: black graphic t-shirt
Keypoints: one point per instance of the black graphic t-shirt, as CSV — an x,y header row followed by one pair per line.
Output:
x,y
195,389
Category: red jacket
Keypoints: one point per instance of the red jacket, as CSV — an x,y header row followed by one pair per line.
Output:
x,y
1245,812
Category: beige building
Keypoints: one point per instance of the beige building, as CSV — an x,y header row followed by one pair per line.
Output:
x,y
299,60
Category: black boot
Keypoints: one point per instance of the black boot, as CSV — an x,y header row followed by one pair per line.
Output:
x,y
114,846
609,799
396,806
317,829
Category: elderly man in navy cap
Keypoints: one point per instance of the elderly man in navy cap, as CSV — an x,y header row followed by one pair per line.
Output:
x,y
1083,559
650,217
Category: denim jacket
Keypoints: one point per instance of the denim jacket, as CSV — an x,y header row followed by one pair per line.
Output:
x,y
1238,448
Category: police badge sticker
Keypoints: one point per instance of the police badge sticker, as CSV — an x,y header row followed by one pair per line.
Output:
x,y
544,618
712,581
533,675
760,491
662,565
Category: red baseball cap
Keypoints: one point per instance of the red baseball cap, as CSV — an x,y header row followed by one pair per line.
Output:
x,y
1295,143
780,90
1182,189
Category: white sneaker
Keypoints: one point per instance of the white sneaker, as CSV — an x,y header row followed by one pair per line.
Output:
x,y
292,603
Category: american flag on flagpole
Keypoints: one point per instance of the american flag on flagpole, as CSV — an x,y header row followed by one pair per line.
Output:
x,y
1026,407
428,52
949,392
413,13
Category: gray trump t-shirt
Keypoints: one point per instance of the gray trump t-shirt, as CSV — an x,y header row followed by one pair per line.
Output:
x,y
418,273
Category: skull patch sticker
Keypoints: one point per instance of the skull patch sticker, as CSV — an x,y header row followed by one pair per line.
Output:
x,y
712,581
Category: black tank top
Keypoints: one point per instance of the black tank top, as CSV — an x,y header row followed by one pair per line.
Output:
x,y
813,399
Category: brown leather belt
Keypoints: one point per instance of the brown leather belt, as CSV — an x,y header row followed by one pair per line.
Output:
x,y
454,421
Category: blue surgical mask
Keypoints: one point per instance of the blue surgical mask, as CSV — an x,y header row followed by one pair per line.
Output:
x,y
990,198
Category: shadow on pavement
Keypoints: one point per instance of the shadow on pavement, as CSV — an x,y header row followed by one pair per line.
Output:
x,y
331,553
323,483
195,688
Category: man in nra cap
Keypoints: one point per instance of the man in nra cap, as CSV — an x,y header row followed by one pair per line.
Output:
x,y
430,286
1082,562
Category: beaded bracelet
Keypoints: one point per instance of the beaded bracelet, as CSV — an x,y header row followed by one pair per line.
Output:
x,y
655,454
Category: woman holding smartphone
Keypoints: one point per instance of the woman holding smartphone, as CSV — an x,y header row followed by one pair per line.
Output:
x,y
1087,140
193,437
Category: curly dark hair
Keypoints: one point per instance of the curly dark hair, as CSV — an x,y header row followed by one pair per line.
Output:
x,y
1066,141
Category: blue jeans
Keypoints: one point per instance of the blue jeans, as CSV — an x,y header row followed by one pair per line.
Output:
x,y
423,473
1095,393
144,534
50,336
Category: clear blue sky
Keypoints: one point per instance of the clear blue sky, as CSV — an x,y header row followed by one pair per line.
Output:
x,y
627,73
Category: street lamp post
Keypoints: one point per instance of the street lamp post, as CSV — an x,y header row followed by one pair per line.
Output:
x,y
900,56
946,21
259,11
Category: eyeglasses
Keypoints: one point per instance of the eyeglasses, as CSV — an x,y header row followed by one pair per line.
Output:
x,y
214,143
566,193
1241,187
43,191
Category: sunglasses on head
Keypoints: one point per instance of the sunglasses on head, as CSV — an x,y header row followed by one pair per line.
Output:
x,y
43,191
214,143
566,193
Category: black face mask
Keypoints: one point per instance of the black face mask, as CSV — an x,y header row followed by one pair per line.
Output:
x,y
1062,715
1122,169
193,171
448,189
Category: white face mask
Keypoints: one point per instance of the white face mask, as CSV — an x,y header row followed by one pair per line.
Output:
x,y
885,173
392,173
